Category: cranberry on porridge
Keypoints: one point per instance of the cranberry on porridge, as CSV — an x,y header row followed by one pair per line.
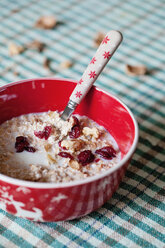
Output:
x,y
41,147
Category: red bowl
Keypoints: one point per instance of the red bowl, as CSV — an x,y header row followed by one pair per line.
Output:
x,y
64,201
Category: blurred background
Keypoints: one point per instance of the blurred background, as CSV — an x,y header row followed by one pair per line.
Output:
x,y
56,38
69,39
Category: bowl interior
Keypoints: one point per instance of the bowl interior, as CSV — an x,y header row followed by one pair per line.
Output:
x,y
39,95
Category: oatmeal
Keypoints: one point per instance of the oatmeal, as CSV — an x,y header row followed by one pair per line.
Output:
x,y
41,147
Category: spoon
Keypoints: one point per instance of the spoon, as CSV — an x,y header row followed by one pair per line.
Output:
x,y
103,54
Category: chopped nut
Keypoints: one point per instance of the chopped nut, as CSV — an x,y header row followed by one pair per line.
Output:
x,y
136,70
98,39
16,73
91,144
37,120
15,10
46,22
51,159
71,121
73,145
47,147
14,49
94,132
66,64
67,144
46,63
74,165
51,113
39,46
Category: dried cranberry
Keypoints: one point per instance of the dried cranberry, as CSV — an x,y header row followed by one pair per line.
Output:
x,y
76,121
47,132
97,160
39,134
19,147
65,155
22,144
86,157
22,139
30,149
106,152
44,134
75,132
63,147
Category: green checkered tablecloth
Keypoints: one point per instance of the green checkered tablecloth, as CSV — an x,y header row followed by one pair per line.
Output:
x,y
134,216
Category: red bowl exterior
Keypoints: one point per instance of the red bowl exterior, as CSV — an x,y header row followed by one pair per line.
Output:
x,y
57,202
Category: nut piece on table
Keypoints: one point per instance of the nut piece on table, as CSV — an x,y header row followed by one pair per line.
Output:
x,y
14,49
46,22
136,70
98,39
16,73
66,64
39,46
46,63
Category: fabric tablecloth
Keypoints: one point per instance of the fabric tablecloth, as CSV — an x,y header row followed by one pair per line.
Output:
x,y
134,216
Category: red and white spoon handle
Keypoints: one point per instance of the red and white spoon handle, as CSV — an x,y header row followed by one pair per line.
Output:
x,y
103,54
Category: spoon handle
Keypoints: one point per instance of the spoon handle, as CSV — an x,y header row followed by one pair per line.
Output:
x,y
103,54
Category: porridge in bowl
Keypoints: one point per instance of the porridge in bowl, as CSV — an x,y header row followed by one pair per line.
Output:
x,y
41,147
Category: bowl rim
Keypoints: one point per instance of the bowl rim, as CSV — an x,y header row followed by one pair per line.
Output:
x,y
45,185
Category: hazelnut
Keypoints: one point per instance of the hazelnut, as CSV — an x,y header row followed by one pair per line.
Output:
x,y
136,70
14,49
98,39
66,64
46,22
